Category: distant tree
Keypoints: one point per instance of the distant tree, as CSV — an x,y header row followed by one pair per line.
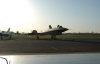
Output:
x,y
17,33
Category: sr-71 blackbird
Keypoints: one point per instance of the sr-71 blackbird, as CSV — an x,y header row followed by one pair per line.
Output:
x,y
51,31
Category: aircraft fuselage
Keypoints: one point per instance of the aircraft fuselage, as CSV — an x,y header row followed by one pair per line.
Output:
x,y
51,31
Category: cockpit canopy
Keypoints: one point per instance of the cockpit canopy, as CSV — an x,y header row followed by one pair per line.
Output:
x,y
58,26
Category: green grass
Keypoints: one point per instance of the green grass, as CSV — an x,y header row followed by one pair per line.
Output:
x,y
59,37
79,36
23,37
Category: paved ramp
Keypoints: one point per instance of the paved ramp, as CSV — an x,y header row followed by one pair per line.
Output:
x,y
46,46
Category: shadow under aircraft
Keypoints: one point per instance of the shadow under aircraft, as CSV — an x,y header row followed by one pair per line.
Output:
x,y
5,34
51,31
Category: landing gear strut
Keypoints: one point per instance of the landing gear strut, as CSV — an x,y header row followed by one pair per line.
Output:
x,y
53,37
6,36
37,36
1,37
10,36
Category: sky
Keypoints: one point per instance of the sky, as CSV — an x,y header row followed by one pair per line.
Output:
x,y
28,15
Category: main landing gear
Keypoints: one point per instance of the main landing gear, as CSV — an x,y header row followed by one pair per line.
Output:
x,y
10,36
1,37
53,37
6,36
38,36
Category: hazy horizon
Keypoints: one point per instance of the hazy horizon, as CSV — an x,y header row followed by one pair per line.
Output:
x,y
28,15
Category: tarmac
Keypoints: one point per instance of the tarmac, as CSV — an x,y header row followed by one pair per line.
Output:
x,y
30,46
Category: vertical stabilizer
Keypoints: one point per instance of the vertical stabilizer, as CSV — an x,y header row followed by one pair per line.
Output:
x,y
50,27
8,30
58,26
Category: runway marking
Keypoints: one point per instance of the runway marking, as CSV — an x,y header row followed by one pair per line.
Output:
x,y
54,48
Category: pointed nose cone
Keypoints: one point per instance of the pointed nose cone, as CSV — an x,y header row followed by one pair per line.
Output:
x,y
66,29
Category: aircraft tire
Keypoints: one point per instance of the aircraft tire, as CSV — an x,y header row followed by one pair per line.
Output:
x,y
1,37
52,37
37,36
10,36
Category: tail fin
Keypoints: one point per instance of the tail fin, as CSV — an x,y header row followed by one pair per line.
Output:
x,y
58,26
8,30
50,27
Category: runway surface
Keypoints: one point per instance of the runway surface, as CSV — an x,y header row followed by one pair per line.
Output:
x,y
18,46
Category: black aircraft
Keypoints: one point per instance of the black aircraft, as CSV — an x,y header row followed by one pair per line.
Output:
x,y
5,34
51,31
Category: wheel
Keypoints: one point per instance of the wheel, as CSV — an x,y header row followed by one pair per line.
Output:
x,y
51,37
37,37
1,37
10,36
